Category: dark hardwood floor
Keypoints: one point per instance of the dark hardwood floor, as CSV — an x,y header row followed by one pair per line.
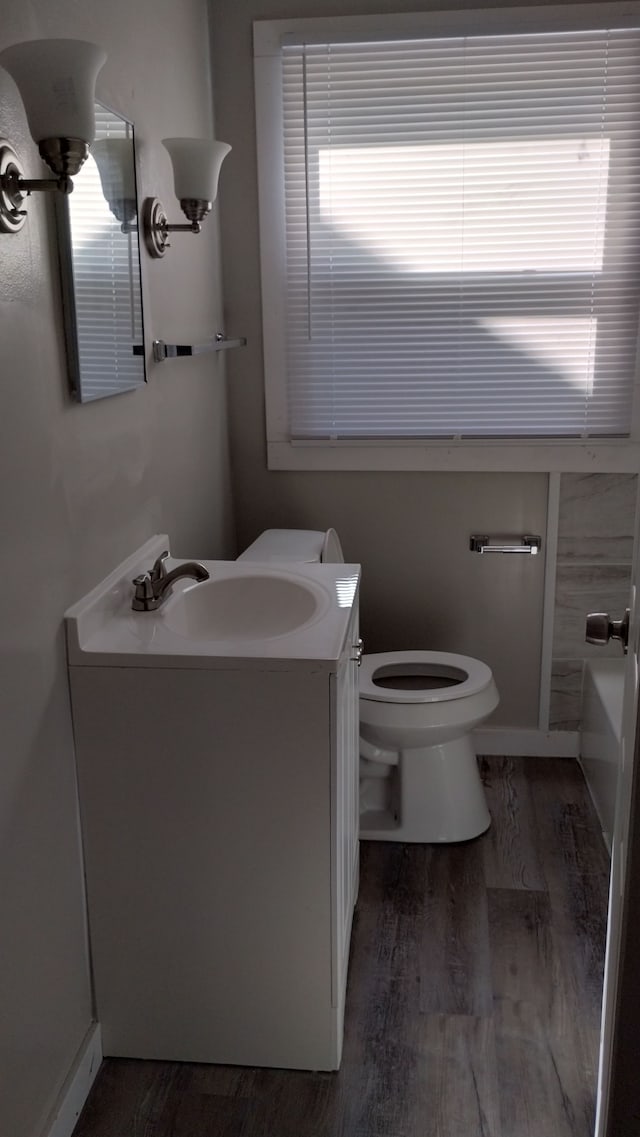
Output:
x,y
474,994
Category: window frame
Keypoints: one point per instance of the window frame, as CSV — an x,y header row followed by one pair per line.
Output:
x,y
491,454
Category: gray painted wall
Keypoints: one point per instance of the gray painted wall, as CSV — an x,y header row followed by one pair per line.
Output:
x,y
81,487
421,585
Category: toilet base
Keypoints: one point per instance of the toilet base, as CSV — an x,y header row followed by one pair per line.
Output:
x,y
434,794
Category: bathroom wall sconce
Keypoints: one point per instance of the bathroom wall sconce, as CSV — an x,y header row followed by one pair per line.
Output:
x,y
114,159
196,169
56,79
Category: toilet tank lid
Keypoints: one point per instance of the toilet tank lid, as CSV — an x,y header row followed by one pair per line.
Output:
x,y
295,545
332,549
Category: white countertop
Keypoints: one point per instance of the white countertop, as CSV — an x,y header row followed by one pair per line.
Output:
x,y
103,630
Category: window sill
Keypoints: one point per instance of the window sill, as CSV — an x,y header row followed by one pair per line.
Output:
x,y
519,455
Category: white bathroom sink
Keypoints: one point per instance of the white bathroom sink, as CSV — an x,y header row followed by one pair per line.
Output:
x,y
254,607
246,612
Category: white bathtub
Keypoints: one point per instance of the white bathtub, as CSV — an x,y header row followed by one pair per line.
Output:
x,y
600,736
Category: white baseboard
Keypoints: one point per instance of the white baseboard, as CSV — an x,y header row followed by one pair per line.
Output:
x,y
75,1091
527,743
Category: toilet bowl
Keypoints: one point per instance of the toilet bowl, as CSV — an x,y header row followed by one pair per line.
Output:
x,y
417,711
419,778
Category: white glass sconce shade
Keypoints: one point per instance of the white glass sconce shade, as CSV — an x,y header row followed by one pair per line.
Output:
x,y
56,79
114,159
196,166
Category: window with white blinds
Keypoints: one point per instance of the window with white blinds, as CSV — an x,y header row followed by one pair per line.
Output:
x,y
462,225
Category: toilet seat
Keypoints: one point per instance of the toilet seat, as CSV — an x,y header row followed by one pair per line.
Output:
x,y
474,675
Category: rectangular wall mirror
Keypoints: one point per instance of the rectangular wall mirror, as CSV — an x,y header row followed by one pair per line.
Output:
x,y
100,266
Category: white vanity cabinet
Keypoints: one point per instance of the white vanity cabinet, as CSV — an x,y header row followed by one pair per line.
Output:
x,y
219,805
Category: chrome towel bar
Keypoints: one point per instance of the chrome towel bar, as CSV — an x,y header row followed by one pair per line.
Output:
x,y
220,342
479,543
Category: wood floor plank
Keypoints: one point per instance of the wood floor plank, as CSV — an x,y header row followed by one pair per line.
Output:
x,y
575,1059
422,921
387,935
472,1011
129,1097
576,867
188,1112
455,975
534,962
376,1088
443,1083
305,1104
569,836
458,1090
535,1098
222,1081
522,965
578,949
510,849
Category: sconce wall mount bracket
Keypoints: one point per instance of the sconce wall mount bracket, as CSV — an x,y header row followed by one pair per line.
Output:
x,y
156,225
12,216
65,157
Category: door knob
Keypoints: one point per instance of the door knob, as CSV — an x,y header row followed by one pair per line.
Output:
x,y
600,629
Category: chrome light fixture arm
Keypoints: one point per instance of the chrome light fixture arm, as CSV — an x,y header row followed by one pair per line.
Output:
x,y
156,225
14,187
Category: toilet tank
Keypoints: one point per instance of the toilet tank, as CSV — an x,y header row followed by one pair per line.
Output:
x,y
301,546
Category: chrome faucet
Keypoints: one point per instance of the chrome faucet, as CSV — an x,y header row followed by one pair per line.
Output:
x,y
153,587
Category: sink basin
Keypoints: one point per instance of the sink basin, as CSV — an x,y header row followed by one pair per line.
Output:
x,y
245,614
253,607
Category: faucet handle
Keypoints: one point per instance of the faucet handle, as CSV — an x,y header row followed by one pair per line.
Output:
x,y
159,570
143,592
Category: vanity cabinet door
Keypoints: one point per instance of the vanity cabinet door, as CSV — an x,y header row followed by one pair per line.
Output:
x,y
345,844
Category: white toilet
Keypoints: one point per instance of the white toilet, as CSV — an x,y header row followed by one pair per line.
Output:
x,y
419,778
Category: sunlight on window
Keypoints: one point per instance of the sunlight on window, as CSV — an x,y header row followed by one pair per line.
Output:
x,y
494,206
564,346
